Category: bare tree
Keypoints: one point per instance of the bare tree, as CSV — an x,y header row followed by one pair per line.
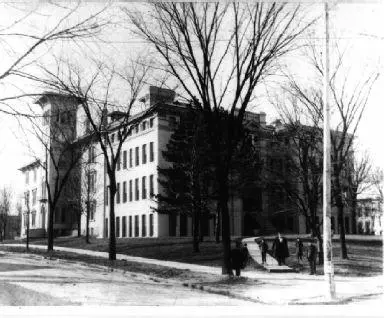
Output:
x,y
218,54
348,102
357,173
377,181
31,41
104,118
5,209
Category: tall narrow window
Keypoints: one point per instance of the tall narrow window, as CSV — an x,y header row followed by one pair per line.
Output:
x,y
136,189
34,191
34,175
151,152
151,225
151,186
91,154
136,225
144,125
112,138
92,181
137,156
117,226
130,190
143,187
118,163
124,159
124,191
144,154
118,193
92,210
143,226
130,158
137,129
130,226
151,122
124,226
106,195
106,225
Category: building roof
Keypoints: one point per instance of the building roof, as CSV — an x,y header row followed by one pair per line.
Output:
x,y
30,165
43,98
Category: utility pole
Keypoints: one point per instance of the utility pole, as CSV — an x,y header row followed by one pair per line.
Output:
x,y
327,235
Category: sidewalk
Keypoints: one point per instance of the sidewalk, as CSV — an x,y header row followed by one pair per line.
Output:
x,y
264,287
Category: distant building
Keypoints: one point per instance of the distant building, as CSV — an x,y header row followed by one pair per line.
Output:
x,y
370,216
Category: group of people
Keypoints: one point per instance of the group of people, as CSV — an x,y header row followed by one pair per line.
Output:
x,y
280,251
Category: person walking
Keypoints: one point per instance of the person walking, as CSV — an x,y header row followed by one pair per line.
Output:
x,y
264,250
299,250
312,256
280,249
237,258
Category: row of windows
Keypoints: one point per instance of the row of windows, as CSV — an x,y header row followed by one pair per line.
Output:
x,y
136,159
136,128
130,226
131,190
27,197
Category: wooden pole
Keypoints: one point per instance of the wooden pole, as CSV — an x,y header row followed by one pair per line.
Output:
x,y
327,234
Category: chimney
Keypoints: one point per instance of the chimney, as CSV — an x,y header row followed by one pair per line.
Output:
x,y
158,95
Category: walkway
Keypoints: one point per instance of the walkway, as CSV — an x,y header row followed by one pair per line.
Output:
x,y
271,264
265,287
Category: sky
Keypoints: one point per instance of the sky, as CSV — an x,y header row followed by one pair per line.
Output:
x,y
358,27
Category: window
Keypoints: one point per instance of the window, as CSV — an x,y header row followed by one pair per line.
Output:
x,y
130,158
136,225
151,225
35,174
136,189
34,196
172,121
151,188
137,156
92,210
27,177
117,226
26,198
143,188
106,195
112,138
91,154
151,122
130,226
118,163
143,226
144,154
144,125
124,226
46,118
25,219
124,159
130,190
151,154
92,181
33,218
124,191
137,129
118,193
106,227
43,190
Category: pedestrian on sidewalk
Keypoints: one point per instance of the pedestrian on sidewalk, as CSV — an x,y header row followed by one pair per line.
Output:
x,y
237,258
280,249
299,250
264,250
312,256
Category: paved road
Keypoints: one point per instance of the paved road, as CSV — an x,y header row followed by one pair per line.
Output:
x,y
32,280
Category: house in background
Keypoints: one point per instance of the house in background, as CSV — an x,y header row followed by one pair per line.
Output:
x,y
370,216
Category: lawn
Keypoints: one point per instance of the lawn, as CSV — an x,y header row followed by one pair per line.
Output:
x,y
365,256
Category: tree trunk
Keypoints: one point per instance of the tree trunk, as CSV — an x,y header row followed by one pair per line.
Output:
x,y
340,215
28,231
353,214
217,224
78,223
225,221
87,224
196,238
112,232
50,228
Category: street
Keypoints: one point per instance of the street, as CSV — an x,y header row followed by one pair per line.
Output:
x,y
27,280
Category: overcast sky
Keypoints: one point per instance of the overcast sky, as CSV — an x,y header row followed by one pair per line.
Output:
x,y
358,27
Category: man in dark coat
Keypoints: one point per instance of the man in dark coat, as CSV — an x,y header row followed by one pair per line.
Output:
x,y
312,255
264,250
280,249
299,250
238,257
